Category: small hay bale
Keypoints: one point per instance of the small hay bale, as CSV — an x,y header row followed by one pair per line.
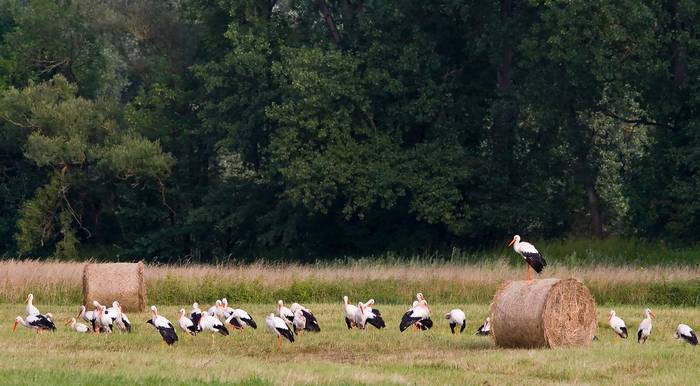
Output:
x,y
543,313
115,281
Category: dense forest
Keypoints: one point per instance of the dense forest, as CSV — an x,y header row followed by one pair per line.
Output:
x,y
304,129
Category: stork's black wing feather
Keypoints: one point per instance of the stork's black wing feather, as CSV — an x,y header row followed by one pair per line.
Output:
x,y
286,333
250,322
407,320
535,260
311,322
377,322
169,335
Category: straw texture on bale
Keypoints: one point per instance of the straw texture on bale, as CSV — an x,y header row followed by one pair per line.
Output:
x,y
115,281
543,313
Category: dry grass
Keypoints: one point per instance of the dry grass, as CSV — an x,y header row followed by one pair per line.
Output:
x,y
20,272
60,282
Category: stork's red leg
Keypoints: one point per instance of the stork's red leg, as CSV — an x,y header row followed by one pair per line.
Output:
x,y
279,343
529,272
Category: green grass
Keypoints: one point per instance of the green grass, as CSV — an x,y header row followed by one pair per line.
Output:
x,y
339,356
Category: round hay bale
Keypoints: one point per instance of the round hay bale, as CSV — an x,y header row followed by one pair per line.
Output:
x,y
115,281
543,313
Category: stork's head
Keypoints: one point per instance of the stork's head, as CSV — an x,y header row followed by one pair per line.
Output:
x,y
370,303
30,297
224,302
219,304
116,305
612,313
181,314
516,239
18,320
49,316
154,310
280,304
195,305
81,311
96,304
345,299
70,322
419,296
649,313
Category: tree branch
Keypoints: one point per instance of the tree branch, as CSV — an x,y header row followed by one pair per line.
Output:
x,y
620,118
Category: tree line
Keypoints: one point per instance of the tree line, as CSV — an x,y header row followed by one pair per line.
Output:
x,y
303,129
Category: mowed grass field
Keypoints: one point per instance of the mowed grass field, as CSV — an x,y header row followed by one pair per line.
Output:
x,y
338,356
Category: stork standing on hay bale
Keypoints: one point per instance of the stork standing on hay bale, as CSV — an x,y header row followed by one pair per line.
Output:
x,y
531,255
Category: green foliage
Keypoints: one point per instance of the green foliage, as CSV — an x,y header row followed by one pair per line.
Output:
x,y
209,129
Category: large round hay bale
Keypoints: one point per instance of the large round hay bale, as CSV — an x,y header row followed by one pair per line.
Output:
x,y
115,281
543,313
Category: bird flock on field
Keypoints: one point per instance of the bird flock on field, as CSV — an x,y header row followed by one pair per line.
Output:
x,y
288,322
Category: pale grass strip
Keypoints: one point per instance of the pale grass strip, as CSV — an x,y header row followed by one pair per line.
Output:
x,y
22,272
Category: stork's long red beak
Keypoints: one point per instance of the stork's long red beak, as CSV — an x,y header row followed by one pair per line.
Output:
x,y
26,301
609,317
14,326
653,315
511,242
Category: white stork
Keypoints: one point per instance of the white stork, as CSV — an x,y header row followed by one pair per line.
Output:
x,y
284,312
164,327
217,309
456,318
76,326
212,324
31,309
683,331
195,315
311,321
186,325
299,322
419,313
279,327
119,317
617,325
484,329
88,316
37,322
104,320
531,255
350,311
644,330
365,314
237,317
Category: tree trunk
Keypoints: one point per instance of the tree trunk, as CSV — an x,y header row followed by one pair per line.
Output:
x,y
679,64
505,109
330,23
586,173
